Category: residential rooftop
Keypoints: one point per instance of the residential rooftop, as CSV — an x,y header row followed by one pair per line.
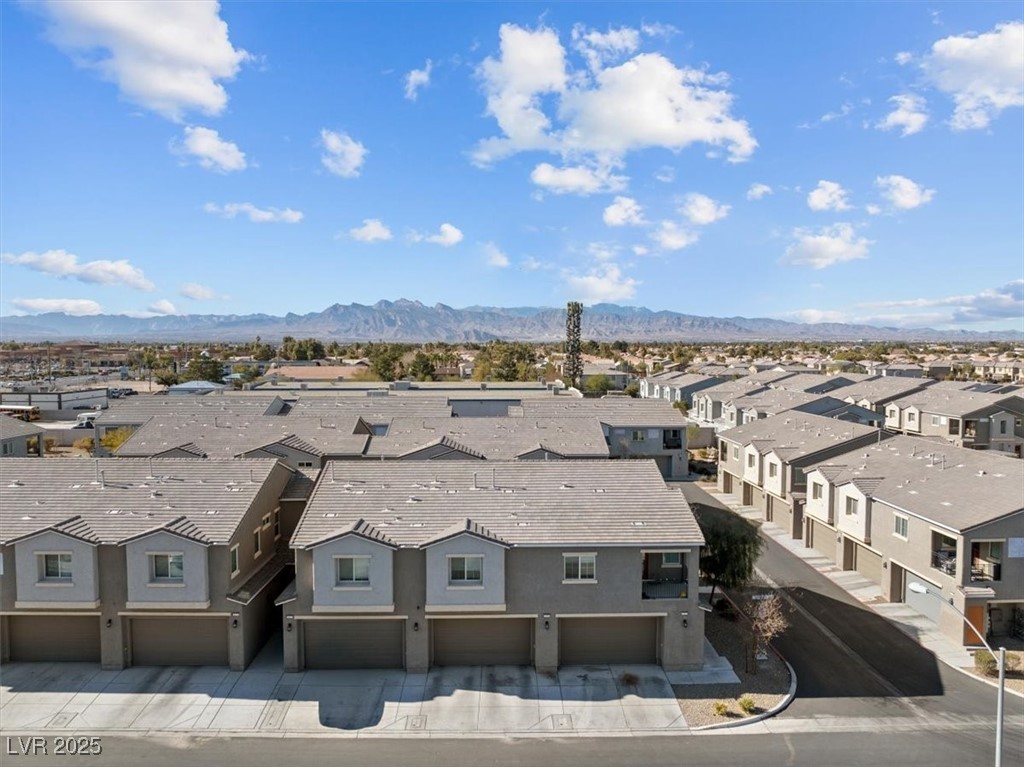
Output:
x,y
954,403
12,428
109,500
942,484
797,434
882,390
519,503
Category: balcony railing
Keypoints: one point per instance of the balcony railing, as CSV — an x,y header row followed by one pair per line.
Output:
x,y
664,589
983,570
672,443
944,560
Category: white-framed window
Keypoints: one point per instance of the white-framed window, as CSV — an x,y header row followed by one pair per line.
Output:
x,y
235,569
465,571
265,522
938,420
167,568
257,546
579,567
672,559
851,506
277,523
893,412
1002,427
55,566
638,435
304,464
751,458
735,453
816,491
911,417
773,470
352,571
900,526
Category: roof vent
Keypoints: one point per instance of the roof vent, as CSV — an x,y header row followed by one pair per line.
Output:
x,y
330,514
981,472
522,524
638,523
16,483
413,499
114,511
28,516
565,486
416,524
209,511
155,494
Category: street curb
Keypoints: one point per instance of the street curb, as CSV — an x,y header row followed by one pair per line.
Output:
x,y
776,709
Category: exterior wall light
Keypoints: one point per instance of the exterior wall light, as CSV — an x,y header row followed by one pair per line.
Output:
x,y
416,626
110,622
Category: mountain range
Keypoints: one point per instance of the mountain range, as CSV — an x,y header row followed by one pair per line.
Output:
x,y
412,321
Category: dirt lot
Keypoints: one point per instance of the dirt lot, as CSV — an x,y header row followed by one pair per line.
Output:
x,y
768,687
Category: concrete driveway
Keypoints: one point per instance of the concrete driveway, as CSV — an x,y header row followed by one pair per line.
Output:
x,y
37,697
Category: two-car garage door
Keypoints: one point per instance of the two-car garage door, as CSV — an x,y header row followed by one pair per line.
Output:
x,y
55,638
482,641
595,641
354,643
179,641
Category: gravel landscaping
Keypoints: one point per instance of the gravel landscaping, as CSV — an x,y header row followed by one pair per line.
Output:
x,y
768,687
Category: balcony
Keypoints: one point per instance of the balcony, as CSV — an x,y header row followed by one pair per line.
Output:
x,y
664,576
664,589
672,439
944,560
983,570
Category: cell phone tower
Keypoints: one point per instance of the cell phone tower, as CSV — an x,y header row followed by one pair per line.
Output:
x,y
573,365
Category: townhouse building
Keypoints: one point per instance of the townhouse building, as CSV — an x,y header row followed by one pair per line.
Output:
x,y
907,511
19,439
978,420
416,564
774,401
140,561
876,393
707,404
677,386
765,462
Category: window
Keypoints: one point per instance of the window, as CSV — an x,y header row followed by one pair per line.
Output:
x,y
816,491
851,506
167,567
234,561
672,559
750,461
55,567
257,549
353,571
1002,427
773,470
277,523
638,435
266,521
736,453
305,464
580,567
465,570
6,448
893,412
936,420
900,526
911,417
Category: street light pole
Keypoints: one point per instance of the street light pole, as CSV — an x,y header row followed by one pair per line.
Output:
x,y
920,588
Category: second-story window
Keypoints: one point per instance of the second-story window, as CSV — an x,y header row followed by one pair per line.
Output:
x,y
580,567
55,567
638,435
257,547
353,571
167,568
816,489
465,571
900,526
234,560
750,461
851,506
773,470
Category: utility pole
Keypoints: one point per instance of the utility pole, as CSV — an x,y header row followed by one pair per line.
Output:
x,y
572,367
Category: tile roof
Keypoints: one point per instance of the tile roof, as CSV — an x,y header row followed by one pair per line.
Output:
x,y
940,483
120,498
11,428
803,433
956,403
880,390
526,503
464,527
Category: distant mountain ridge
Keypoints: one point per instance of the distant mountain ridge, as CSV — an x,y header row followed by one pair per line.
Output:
x,y
411,321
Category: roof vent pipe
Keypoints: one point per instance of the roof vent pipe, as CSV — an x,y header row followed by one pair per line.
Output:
x,y
103,479
474,481
332,471
494,484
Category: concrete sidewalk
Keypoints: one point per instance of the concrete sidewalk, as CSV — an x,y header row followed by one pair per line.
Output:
x,y
907,619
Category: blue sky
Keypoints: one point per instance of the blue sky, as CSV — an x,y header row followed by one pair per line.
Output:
x,y
848,162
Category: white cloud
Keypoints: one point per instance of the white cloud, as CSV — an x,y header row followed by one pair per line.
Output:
x,y
416,79
78,307
758,191
600,48
372,230
873,210
902,193
212,152
602,251
494,256
577,179
640,250
815,316
701,210
60,263
909,115
903,58
168,57
624,211
666,174
531,264
605,282
163,306
828,246
447,236
983,73
343,155
256,215
828,195
644,102
197,292
671,236
1004,302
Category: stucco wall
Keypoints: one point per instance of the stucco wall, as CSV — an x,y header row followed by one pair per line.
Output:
x,y
327,593
491,591
84,584
195,585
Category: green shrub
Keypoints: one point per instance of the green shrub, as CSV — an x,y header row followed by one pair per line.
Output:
x,y
747,705
721,708
986,663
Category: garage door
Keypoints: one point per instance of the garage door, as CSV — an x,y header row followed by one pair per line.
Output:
x,y
354,644
482,642
55,638
594,641
823,539
926,604
179,641
727,483
664,465
868,564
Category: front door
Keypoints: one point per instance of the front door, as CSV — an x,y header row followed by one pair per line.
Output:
x,y
975,617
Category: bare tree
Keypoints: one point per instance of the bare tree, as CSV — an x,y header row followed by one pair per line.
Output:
x,y
768,620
